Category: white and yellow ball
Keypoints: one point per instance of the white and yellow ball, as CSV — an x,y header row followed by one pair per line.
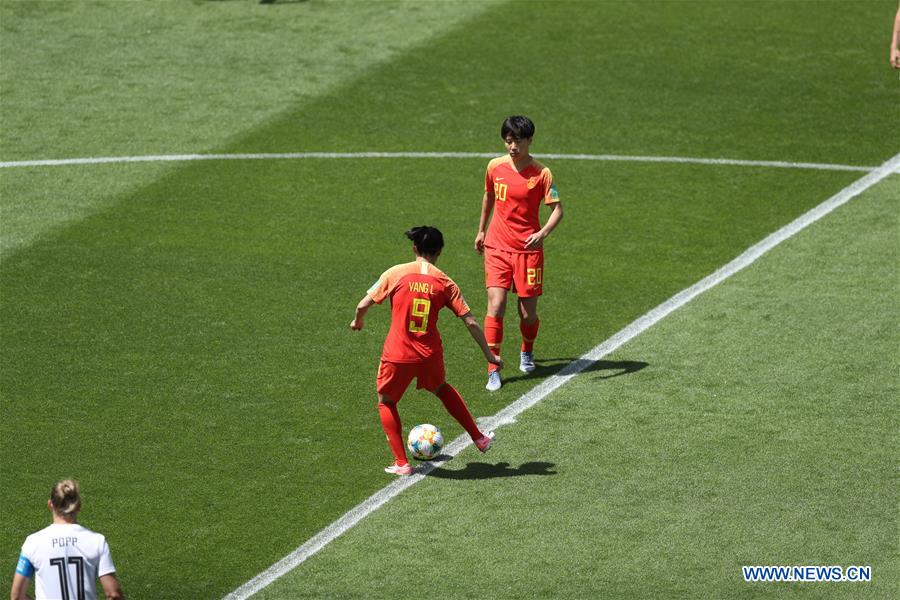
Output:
x,y
425,441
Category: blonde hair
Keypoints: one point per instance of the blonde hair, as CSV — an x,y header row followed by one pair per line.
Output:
x,y
66,497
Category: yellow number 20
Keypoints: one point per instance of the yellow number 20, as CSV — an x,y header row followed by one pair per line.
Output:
x,y
419,310
500,191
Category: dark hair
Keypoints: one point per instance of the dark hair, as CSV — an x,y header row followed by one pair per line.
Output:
x,y
428,240
520,127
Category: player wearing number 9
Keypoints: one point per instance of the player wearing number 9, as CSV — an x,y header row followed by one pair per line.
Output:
x,y
418,290
65,559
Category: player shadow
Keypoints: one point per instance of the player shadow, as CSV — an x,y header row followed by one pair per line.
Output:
x,y
552,366
617,368
480,470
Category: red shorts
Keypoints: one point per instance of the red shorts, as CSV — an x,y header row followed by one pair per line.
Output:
x,y
393,378
521,272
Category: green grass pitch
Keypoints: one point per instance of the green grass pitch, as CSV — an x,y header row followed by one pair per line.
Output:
x,y
175,335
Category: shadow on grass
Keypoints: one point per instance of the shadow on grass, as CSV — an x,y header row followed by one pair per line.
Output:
x,y
480,470
551,366
617,367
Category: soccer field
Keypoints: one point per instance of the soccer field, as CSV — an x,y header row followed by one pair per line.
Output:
x,y
173,326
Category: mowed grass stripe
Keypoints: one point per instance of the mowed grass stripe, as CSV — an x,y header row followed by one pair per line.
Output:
x,y
748,428
30,220
185,77
173,77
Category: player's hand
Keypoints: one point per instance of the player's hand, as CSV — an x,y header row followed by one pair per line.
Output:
x,y
479,243
496,360
895,58
535,240
356,324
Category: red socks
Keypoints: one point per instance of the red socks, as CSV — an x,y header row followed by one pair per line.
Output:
x,y
493,333
529,334
456,406
390,422
453,402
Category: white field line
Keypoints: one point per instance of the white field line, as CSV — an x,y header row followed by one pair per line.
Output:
x,y
508,415
358,155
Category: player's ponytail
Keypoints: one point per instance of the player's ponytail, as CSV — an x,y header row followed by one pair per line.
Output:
x,y
66,497
428,240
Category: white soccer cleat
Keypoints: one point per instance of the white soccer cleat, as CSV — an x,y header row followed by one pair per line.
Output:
x,y
526,362
493,383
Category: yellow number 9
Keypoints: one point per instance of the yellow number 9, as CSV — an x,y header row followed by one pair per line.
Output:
x,y
420,309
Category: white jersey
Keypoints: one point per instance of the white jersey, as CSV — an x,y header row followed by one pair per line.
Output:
x,y
65,561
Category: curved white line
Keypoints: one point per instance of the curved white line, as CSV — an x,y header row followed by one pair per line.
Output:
x,y
356,155
508,415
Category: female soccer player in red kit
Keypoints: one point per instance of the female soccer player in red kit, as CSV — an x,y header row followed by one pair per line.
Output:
x,y
412,349
515,186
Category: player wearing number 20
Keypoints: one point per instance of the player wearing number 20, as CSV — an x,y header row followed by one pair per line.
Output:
x,y
515,187
412,349
65,559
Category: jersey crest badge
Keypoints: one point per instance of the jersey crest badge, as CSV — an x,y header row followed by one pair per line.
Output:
x,y
532,182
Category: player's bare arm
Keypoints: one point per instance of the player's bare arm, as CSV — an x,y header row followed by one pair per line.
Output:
x,y
536,239
19,589
487,205
111,587
895,40
478,335
364,305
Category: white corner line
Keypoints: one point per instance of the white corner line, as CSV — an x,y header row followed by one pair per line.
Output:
x,y
99,160
508,415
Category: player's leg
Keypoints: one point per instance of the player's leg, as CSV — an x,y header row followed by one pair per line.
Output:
x,y
393,428
493,320
493,332
457,408
431,377
498,272
392,382
529,281
529,323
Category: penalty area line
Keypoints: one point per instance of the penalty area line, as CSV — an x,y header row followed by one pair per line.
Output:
x,y
508,415
100,160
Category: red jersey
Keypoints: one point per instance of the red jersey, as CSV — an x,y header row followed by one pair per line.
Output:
x,y
517,202
418,290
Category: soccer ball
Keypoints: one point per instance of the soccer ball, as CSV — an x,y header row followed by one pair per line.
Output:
x,y
425,441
